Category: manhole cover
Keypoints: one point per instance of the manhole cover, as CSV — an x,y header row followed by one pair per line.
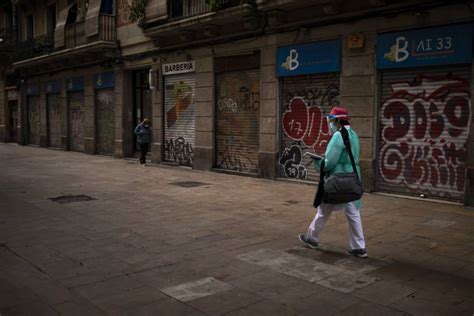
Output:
x,y
189,184
71,198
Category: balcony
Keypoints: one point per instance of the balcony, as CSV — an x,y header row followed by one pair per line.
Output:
x,y
34,47
77,47
183,9
179,22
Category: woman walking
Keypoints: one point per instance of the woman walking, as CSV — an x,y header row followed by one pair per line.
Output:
x,y
337,160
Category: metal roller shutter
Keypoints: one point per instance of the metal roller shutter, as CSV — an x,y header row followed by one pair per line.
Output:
x,y
425,116
33,120
305,101
76,120
105,121
53,102
179,119
238,102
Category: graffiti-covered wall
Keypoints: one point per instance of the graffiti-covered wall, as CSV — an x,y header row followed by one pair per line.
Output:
x,y
424,127
305,100
237,133
53,103
179,119
33,109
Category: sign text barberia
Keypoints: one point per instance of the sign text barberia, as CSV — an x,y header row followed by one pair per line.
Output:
x,y
178,68
425,47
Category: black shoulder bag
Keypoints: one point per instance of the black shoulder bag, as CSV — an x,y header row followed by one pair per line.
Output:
x,y
339,187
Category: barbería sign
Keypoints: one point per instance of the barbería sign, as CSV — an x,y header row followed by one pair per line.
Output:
x,y
178,68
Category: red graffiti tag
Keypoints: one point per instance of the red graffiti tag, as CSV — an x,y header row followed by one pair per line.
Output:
x,y
306,123
425,127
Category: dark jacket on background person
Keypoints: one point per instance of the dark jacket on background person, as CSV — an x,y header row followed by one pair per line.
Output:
x,y
144,133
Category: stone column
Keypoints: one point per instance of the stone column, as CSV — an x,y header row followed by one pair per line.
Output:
x,y
64,118
204,147
89,115
3,112
122,102
469,194
358,89
22,129
268,152
43,116
157,116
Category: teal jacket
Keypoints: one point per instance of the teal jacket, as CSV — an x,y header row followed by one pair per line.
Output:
x,y
336,158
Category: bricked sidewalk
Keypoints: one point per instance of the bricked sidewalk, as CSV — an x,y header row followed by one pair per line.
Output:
x,y
142,245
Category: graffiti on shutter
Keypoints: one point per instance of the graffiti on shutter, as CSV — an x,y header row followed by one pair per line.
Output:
x,y
306,100
105,121
76,120
33,120
179,119
424,128
238,106
54,119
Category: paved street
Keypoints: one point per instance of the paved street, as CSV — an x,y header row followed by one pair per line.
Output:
x,y
133,242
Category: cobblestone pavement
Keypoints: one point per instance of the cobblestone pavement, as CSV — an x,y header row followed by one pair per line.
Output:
x,y
146,246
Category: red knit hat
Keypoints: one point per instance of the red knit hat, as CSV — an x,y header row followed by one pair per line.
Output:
x,y
338,112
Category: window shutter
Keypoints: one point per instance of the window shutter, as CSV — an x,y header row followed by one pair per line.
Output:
x,y
156,10
92,18
60,26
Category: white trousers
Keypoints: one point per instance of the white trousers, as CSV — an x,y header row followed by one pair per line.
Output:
x,y
356,234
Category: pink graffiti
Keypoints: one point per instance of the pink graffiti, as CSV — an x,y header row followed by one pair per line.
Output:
x,y
306,123
424,132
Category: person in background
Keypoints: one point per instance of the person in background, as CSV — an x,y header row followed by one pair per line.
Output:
x,y
144,134
337,160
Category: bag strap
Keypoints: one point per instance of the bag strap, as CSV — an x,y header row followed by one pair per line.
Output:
x,y
347,144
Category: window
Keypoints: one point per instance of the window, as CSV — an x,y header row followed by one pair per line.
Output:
x,y
107,6
30,33
72,15
51,18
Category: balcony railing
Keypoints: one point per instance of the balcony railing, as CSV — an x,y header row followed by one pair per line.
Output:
x,y
182,9
107,28
74,36
34,47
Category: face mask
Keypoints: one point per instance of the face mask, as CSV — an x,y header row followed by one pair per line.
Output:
x,y
332,127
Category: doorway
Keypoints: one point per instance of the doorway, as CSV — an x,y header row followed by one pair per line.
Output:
x,y
141,100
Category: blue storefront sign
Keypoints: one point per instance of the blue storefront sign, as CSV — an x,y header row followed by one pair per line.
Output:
x,y
309,58
75,84
104,80
53,86
425,47
33,89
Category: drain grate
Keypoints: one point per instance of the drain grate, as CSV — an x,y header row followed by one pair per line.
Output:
x,y
71,198
291,202
189,184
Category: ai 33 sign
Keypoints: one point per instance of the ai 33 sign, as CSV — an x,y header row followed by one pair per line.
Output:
x,y
425,47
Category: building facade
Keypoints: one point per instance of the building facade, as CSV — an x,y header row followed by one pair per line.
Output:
x,y
243,86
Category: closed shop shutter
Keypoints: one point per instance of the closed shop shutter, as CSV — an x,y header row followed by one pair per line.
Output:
x,y
423,132
105,121
179,119
13,104
33,120
76,120
237,128
53,102
305,102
